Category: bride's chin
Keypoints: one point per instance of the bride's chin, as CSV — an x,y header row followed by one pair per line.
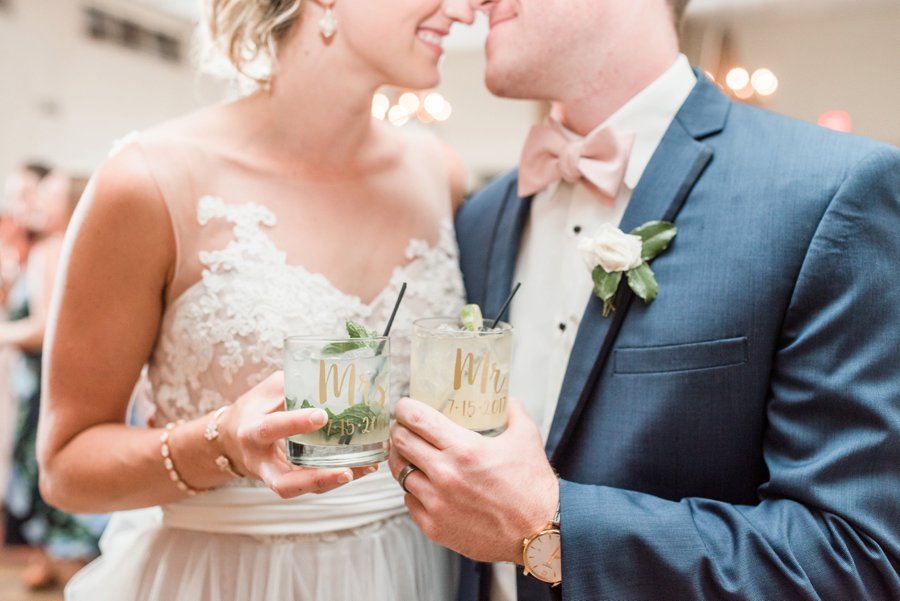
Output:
x,y
418,81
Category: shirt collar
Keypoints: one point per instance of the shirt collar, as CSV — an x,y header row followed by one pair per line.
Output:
x,y
649,113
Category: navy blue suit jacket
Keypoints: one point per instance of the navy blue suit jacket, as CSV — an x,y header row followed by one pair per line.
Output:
x,y
739,437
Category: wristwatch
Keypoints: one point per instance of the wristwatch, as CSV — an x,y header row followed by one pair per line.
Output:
x,y
542,553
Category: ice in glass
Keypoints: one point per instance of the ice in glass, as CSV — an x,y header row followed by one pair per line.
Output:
x,y
461,372
350,380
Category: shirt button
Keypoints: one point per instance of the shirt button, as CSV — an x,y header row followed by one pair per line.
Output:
x,y
562,327
577,229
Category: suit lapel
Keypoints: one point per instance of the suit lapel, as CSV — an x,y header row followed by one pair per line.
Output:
x,y
674,169
504,250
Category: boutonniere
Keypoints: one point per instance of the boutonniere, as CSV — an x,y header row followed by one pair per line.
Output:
x,y
611,252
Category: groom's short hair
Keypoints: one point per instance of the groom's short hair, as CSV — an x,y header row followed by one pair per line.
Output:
x,y
678,7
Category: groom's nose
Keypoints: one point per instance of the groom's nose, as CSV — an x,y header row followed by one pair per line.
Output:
x,y
462,11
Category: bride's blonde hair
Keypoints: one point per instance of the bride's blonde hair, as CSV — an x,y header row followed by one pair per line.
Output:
x,y
248,33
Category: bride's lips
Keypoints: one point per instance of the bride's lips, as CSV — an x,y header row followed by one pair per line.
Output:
x,y
432,38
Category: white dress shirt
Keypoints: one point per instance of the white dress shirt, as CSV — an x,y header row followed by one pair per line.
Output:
x,y
556,283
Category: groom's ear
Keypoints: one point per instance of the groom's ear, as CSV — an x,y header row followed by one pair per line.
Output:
x,y
678,8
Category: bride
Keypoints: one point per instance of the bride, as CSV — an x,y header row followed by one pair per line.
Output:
x,y
197,248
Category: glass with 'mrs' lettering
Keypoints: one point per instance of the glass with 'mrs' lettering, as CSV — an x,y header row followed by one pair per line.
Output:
x,y
350,380
463,374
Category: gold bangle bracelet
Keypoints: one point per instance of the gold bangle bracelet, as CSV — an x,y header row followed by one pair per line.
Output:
x,y
212,433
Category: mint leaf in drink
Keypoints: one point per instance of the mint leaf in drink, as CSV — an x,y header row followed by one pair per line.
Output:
x,y
307,405
355,419
359,331
359,418
355,331
339,348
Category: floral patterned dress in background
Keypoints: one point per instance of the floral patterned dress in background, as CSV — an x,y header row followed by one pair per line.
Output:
x,y
29,520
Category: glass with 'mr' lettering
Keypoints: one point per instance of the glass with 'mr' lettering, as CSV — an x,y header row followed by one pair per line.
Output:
x,y
350,380
463,374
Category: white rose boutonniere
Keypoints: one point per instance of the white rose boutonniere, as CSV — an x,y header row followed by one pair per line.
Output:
x,y
611,252
612,249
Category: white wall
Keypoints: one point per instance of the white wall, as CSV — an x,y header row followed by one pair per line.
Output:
x,y
834,56
487,132
65,98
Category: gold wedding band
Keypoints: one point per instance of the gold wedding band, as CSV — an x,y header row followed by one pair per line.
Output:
x,y
404,474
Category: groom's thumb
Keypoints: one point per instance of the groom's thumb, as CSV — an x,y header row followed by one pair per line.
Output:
x,y
517,416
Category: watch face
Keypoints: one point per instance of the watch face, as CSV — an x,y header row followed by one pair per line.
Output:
x,y
543,557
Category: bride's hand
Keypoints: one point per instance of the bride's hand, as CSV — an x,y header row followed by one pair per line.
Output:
x,y
253,432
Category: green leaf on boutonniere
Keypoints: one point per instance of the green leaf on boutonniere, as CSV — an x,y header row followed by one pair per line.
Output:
x,y
605,286
642,281
656,236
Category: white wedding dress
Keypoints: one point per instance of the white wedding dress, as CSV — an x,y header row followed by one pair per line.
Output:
x,y
234,297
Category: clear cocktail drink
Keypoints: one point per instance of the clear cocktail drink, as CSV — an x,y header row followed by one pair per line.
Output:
x,y
463,374
350,380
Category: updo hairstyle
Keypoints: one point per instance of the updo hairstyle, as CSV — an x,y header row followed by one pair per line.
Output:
x,y
248,33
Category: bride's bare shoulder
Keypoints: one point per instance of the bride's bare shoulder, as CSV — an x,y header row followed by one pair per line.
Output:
x,y
163,158
195,129
434,157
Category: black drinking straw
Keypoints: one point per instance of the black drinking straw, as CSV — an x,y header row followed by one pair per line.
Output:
x,y
505,305
390,322
346,438
387,329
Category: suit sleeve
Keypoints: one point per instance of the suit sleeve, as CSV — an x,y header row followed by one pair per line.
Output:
x,y
827,525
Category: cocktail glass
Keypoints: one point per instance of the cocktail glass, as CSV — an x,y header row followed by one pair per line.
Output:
x,y
350,380
463,374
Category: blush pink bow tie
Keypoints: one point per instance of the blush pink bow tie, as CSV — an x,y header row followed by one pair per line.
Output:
x,y
599,159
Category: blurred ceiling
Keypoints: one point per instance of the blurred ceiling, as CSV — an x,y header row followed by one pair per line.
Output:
x,y
699,7
188,9
473,37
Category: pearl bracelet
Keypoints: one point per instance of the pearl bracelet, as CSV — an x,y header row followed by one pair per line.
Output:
x,y
166,453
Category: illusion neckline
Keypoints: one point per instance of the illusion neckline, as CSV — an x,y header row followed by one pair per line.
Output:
x,y
416,250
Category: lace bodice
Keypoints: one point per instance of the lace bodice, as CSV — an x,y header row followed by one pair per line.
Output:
x,y
224,333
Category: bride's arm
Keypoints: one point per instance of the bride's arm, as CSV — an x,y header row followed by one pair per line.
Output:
x,y
104,321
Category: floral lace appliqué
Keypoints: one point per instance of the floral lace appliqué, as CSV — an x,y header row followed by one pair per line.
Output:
x,y
225,334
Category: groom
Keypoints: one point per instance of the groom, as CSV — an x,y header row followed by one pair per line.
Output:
x,y
738,436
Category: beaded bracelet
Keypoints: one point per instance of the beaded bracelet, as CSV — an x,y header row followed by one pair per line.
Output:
x,y
166,453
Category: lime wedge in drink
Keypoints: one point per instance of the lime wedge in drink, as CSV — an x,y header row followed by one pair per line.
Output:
x,y
471,319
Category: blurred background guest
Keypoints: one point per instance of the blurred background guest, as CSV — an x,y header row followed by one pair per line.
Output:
x,y
18,192
60,543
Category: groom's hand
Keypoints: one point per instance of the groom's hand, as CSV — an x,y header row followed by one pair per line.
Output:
x,y
477,495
